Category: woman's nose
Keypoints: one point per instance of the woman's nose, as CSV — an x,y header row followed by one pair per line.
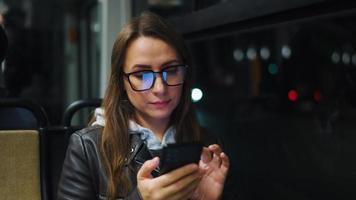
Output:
x,y
159,85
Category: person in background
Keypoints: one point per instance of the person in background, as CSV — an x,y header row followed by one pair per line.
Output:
x,y
3,48
3,43
147,105
11,117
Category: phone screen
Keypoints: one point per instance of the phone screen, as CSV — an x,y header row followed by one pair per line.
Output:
x,y
174,156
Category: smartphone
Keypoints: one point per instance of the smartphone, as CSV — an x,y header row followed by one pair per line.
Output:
x,y
177,155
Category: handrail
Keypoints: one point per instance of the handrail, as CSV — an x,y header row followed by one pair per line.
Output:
x,y
77,105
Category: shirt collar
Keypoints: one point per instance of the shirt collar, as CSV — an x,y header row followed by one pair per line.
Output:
x,y
147,136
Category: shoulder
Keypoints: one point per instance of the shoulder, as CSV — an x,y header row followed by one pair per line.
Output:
x,y
81,167
88,133
86,137
84,145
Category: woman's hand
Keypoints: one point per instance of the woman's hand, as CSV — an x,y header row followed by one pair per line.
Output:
x,y
177,184
214,165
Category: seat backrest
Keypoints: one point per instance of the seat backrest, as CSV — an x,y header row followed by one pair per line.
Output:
x,y
20,164
21,114
23,152
17,118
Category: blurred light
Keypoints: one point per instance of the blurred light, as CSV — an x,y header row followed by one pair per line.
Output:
x,y
238,54
4,8
273,69
286,51
95,27
293,95
2,67
229,79
197,94
317,96
265,53
335,57
353,59
251,53
346,58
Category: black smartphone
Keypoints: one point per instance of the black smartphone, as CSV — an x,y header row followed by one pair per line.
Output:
x,y
177,155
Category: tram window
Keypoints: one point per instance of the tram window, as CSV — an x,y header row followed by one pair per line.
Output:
x,y
172,8
284,99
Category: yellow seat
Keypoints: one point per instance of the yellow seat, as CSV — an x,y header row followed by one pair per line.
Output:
x,y
20,165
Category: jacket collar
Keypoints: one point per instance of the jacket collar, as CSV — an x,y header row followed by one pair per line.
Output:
x,y
136,147
139,153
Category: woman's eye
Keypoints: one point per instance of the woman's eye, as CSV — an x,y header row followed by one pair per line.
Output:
x,y
140,75
172,70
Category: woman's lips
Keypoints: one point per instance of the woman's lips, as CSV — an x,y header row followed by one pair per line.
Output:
x,y
160,104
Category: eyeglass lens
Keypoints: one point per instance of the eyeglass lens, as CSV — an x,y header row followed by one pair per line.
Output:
x,y
144,80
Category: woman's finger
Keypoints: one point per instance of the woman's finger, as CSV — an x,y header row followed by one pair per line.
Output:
x,y
216,154
188,192
215,148
180,186
177,174
147,168
206,155
225,164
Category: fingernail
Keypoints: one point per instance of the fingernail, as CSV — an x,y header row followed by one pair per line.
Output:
x,y
155,159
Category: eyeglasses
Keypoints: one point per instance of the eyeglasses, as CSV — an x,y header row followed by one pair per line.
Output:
x,y
172,75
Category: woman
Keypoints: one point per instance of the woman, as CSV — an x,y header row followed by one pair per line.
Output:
x,y
146,106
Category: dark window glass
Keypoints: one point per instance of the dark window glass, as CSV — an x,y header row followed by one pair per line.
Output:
x,y
284,100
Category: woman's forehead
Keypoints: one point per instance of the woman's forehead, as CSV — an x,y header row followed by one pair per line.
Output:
x,y
149,51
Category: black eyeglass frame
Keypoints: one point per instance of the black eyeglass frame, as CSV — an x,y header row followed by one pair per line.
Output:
x,y
127,75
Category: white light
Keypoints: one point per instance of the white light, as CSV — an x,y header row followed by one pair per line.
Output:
x,y
353,59
346,58
238,54
265,53
2,67
286,51
335,57
197,94
251,53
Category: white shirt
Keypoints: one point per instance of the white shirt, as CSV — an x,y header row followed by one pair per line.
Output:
x,y
147,135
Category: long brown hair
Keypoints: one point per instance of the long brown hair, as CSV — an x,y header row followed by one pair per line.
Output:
x,y
115,140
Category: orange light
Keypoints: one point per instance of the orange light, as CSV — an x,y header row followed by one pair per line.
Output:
x,y
293,95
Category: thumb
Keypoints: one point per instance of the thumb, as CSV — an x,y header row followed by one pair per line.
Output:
x,y
147,168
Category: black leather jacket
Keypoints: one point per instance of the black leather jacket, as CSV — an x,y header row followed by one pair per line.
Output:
x,y
83,175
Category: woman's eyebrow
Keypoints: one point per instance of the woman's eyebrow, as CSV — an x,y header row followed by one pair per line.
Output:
x,y
141,66
171,62
144,66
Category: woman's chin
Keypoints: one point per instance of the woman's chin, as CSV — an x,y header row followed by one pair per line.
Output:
x,y
160,115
